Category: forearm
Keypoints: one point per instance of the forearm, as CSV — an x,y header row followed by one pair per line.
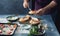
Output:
x,y
52,4
26,0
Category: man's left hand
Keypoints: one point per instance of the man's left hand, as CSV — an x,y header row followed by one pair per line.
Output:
x,y
40,11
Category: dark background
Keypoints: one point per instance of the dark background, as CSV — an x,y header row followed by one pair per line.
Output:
x,y
12,7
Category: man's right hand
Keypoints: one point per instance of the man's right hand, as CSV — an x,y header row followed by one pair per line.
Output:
x,y
25,4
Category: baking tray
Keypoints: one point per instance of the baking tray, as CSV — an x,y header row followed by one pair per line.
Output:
x,y
8,31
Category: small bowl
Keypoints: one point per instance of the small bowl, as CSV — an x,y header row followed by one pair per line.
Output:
x,y
38,34
41,34
12,18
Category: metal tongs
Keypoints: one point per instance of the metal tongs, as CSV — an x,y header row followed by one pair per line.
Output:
x,y
29,8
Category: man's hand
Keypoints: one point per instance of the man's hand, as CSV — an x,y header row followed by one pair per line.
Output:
x,y
40,11
25,4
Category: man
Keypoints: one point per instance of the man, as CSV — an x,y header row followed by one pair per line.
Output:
x,y
44,7
41,6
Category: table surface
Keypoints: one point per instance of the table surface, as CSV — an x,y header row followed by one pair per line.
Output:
x,y
46,20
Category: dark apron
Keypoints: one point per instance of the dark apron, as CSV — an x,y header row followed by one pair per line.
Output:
x,y
57,19
54,12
